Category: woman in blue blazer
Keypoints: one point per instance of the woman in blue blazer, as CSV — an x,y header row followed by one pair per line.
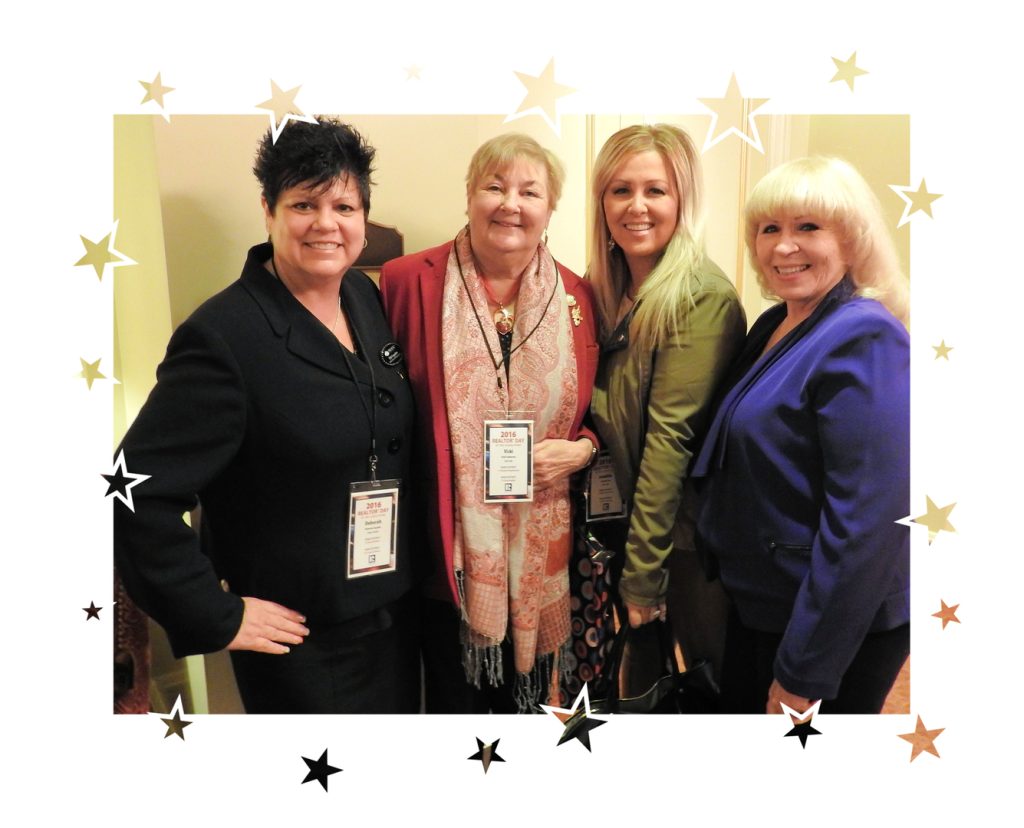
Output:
x,y
275,396
805,468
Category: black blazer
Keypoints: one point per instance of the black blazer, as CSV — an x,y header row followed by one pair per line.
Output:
x,y
256,414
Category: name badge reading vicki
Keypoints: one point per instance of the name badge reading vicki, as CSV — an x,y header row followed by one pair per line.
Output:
x,y
603,499
372,527
508,460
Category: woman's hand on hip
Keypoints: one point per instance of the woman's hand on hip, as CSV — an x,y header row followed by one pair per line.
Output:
x,y
638,616
779,695
267,627
555,459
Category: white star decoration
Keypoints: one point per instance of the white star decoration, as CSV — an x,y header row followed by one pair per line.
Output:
x,y
125,477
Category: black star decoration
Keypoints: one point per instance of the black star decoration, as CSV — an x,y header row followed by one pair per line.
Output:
x,y
176,726
319,769
577,720
487,753
803,731
92,611
122,481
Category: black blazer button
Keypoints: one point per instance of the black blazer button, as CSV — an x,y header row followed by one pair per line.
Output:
x,y
395,445
385,398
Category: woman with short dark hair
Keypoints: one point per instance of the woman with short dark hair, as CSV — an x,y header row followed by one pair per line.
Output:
x,y
281,408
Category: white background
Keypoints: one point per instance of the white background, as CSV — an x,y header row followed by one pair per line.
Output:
x,y
66,72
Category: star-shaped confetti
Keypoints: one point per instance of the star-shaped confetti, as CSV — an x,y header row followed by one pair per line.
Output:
x,y
847,70
92,611
542,92
947,614
155,90
486,753
577,720
412,72
936,519
175,725
803,731
919,200
102,253
123,481
733,115
319,770
90,372
283,108
922,739
942,350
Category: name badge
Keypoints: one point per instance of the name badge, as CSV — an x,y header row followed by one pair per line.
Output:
x,y
603,499
372,527
508,460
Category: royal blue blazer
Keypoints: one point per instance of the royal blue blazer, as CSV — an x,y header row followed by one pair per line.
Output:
x,y
803,473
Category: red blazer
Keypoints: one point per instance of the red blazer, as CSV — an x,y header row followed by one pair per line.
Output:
x,y
412,288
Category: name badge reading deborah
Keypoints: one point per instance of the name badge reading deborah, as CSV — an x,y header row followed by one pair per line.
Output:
x,y
603,499
372,527
508,460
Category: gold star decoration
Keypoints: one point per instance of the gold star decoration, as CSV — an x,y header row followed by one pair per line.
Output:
x,y
919,200
936,519
542,92
486,753
283,109
947,614
733,115
92,611
577,720
155,90
413,72
90,372
847,70
942,350
102,253
922,739
175,725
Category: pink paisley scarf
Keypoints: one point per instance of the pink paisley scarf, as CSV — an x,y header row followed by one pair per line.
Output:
x,y
511,560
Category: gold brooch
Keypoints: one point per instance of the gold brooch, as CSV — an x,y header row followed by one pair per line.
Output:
x,y
574,309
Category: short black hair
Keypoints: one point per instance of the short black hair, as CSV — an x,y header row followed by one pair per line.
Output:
x,y
314,154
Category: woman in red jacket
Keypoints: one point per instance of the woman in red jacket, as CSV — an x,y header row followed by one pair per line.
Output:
x,y
493,329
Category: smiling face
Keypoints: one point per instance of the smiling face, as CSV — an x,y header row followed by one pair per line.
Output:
x,y
641,207
801,258
317,234
509,210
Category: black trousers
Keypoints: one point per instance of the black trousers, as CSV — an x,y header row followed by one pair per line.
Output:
x,y
747,672
368,664
447,690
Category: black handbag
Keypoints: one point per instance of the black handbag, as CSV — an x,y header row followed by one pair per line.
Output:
x,y
692,691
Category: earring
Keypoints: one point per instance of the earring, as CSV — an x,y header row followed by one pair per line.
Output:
x,y
366,242
611,244
544,241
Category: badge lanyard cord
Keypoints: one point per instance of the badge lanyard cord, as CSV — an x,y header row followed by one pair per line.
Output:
x,y
490,352
371,412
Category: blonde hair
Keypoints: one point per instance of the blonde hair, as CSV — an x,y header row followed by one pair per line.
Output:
x,y
503,150
831,189
667,292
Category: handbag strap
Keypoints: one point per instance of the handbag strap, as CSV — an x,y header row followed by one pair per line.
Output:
x,y
666,653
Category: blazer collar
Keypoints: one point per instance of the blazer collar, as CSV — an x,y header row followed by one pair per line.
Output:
x,y
303,334
750,365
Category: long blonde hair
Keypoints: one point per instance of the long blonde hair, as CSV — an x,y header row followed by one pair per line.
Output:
x,y
833,190
667,292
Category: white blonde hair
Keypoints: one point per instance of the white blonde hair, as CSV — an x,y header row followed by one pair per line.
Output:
x,y
831,189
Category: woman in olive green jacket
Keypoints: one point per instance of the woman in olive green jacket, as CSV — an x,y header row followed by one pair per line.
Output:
x,y
671,324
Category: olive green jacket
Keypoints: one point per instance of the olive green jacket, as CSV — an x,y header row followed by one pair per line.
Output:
x,y
651,409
